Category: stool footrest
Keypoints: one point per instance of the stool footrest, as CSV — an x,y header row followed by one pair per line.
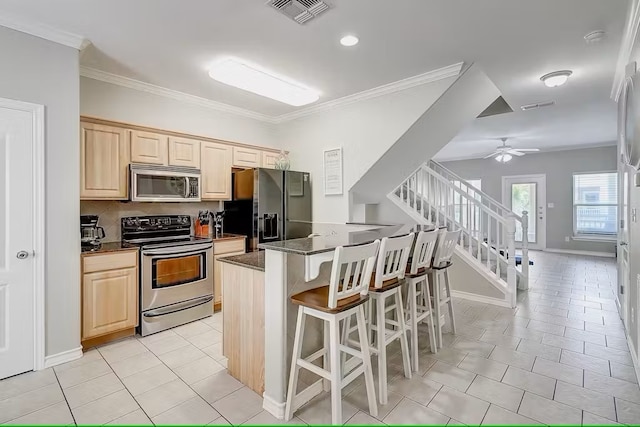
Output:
x,y
314,368
352,376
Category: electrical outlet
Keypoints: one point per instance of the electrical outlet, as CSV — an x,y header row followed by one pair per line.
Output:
x,y
567,238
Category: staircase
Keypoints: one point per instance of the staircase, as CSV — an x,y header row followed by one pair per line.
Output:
x,y
435,195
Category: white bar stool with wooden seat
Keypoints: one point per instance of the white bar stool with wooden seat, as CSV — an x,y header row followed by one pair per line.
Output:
x,y
418,301
344,297
389,276
445,247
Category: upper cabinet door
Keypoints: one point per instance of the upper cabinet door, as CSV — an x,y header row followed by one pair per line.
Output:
x,y
215,167
269,159
104,162
149,147
184,152
246,157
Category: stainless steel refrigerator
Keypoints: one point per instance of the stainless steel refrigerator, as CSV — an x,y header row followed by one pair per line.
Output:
x,y
269,205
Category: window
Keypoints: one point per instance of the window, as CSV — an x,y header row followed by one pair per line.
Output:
x,y
595,204
467,217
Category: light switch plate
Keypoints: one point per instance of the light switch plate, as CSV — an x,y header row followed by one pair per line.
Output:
x,y
551,205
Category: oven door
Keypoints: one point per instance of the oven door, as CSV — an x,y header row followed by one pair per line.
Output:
x,y
160,185
175,274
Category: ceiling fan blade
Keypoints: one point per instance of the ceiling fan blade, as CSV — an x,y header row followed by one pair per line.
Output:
x,y
515,153
492,154
528,150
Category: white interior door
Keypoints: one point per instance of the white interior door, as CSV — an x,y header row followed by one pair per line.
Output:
x,y
623,245
16,241
527,193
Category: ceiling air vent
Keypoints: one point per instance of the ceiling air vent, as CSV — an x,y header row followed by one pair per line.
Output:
x,y
538,105
300,11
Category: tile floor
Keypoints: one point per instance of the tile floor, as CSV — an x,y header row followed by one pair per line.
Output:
x,y
559,358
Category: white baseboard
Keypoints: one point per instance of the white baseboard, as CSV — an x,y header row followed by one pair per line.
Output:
x,y
271,406
64,357
480,298
634,356
587,253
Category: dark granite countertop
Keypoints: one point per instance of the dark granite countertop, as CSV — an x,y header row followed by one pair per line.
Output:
x,y
253,260
109,247
330,236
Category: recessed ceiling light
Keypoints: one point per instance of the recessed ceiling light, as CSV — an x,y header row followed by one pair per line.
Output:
x,y
252,78
504,158
349,41
557,78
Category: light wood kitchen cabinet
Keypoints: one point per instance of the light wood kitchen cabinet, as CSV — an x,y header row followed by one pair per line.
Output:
x,y
215,167
147,147
220,250
269,159
184,152
104,162
246,157
109,295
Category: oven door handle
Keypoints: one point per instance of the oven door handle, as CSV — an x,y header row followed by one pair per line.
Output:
x,y
178,307
189,249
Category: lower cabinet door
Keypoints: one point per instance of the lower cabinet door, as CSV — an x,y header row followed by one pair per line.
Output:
x,y
109,301
217,276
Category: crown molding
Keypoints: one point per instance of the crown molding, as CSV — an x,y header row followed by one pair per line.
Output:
x,y
626,47
397,86
115,79
43,31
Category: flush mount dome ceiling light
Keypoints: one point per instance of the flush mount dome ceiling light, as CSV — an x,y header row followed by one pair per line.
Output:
x,y
255,79
349,40
557,78
504,158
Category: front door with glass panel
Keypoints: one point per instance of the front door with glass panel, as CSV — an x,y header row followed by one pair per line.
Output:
x,y
527,193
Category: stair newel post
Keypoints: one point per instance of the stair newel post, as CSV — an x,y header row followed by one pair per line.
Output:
x,y
525,250
511,262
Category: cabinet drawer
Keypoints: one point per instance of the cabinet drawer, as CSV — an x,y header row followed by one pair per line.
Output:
x,y
227,246
111,261
246,157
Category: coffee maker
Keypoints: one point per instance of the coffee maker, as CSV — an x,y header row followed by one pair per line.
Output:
x,y
90,233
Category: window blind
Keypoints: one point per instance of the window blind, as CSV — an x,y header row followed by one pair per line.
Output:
x,y
595,203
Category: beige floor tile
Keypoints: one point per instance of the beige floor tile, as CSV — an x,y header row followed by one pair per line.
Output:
x,y
166,343
584,361
148,379
453,422
608,353
529,381
548,411
616,342
181,356
137,417
214,351
156,337
612,387
410,413
87,357
91,390
358,398
605,330
449,375
82,373
20,384
540,350
193,411
244,404
105,409
214,321
58,413
485,367
582,398
121,350
418,389
198,370
592,419
216,386
206,339
134,364
193,328
449,355
498,338
559,371
586,336
265,418
495,392
220,421
477,348
466,408
512,357
628,412
31,401
563,342
549,328
623,372
500,416
160,399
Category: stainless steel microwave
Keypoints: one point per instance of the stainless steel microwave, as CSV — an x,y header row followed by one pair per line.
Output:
x,y
151,183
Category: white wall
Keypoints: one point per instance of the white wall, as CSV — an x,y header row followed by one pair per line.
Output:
x,y
42,72
113,102
365,130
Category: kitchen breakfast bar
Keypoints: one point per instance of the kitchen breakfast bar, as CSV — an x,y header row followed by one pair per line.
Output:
x,y
284,268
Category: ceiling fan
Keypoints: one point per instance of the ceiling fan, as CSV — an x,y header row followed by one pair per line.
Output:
x,y
505,152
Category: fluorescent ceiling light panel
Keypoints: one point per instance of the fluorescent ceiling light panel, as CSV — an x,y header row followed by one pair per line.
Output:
x,y
249,77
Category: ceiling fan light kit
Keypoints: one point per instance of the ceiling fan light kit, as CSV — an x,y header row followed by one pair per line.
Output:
x,y
505,153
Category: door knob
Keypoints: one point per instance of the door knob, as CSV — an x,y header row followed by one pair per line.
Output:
x,y
22,255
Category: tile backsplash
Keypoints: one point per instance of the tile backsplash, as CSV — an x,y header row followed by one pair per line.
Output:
x,y
110,212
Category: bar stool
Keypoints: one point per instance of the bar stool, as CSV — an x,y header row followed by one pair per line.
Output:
x,y
418,302
344,297
447,241
389,276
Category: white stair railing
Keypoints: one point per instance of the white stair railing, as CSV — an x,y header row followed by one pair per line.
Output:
x,y
488,228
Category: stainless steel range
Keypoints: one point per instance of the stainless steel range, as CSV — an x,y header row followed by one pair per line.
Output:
x,y
176,271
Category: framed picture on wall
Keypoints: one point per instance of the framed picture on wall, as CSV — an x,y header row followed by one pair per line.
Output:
x,y
332,166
